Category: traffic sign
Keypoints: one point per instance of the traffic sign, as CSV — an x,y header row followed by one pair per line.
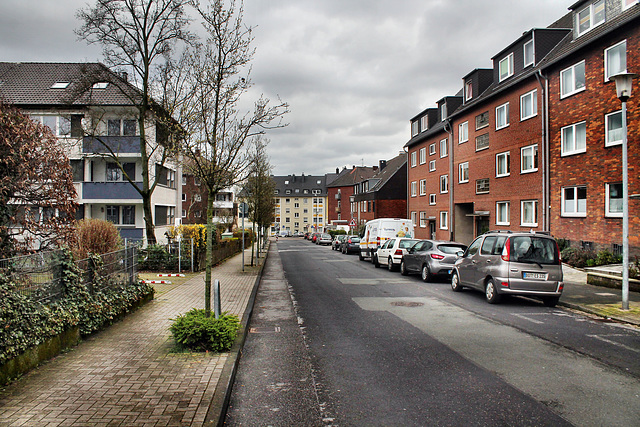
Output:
x,y
352,223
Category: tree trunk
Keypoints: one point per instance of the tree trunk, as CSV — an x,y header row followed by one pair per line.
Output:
x,y
207,276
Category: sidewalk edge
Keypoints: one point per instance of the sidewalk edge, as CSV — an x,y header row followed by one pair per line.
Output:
x,y
584,309
220,400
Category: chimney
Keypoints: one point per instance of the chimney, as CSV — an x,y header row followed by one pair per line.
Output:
x,y
337,170
383,164
124,76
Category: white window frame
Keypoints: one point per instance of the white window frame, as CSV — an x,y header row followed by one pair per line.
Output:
x,y
432,149
423,219
626,5
468,90
424,123
526,152
608,143
575,149
444,220
523,220
608,74
499,219
524,53
62,126
414,216
444,184
443,112
504,107
432,199
423,155
414,188
565,92
444,148
509,59
576,212
529,98
432,166
414,161
607,200
414,128
463,132
507,164
591,16
463,172
423,187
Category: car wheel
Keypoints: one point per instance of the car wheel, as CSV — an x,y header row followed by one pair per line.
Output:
x,y
360,256
550,301
455,283
425,273
490,292
374,259
390,265
403,268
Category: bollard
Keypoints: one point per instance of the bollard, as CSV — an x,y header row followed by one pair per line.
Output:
x,y
216,298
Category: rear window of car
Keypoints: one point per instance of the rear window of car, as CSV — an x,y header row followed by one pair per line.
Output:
x,y
355,239
531,249
406,244
451,249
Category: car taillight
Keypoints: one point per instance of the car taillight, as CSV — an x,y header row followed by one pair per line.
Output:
x,y
437,256
506,251
398,252
559,253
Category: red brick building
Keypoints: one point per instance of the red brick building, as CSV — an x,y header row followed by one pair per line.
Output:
x,y
340,190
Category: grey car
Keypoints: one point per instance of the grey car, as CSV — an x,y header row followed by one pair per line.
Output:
x,y
337,241
431,258
500,263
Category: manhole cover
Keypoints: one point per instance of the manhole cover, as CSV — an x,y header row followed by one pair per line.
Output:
x,y
407,304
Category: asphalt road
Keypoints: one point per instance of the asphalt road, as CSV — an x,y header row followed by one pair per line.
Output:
x,y
338,342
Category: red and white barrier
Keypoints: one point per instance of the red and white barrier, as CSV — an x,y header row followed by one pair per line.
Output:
x,y
171,275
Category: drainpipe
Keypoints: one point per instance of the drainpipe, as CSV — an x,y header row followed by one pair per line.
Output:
x,y
452,222
407,211
544,150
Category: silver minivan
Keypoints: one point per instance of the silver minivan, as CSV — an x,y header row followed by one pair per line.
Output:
x,y
502,262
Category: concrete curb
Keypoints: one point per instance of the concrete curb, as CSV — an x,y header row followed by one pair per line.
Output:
x,y
222,394
584,309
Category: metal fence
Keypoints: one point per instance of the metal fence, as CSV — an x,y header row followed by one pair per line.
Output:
x,y
38,276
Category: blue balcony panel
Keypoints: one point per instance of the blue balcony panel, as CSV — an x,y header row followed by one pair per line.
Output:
x,y
131,233
110,190
119,144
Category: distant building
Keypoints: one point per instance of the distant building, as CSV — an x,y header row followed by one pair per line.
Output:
x,y
300,203
340,190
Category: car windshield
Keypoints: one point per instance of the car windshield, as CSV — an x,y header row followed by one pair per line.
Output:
x,y
534,250
451,249
407,243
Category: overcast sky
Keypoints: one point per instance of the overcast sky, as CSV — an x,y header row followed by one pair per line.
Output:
x,y
353,71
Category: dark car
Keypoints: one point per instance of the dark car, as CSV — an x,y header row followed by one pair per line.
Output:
x,y
350,244
431,258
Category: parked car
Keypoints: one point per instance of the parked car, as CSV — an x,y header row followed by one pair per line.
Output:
x,y
520,263
350,244
391,252
337,241
314,237
323,239
431,258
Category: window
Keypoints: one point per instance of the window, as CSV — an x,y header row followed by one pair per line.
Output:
x,y
615,60
424,123
482,141
413,159
574,139
165,176
432,149
628,3
184,213
502,116
432,166
529,159
121,127
423,155
443,148
502,164
60,85
113,214
529,213
591,16
463,172
574,201
528,53
296,214
482,120
502,213
414,217
432,199
572,79
414,128
100,85
613,201
287,210
113,172
59,125
463,132
184,197
468,90
165,215
529,105
444,183
506,67
423,187
482,186
444,220
613,129
77,168
423,219
443,111
414,188
129,215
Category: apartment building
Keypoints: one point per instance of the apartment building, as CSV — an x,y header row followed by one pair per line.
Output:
x,y
84,103
300,203
194,204
340,191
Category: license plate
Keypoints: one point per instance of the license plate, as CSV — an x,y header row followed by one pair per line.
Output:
x,y
538,276
449,271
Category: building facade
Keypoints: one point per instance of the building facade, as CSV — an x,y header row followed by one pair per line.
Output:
x,y
340,191
300,204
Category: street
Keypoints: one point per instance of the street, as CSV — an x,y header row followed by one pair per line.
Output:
x,y
338,342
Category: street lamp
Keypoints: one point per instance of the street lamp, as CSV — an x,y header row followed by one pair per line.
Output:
x,y
623,91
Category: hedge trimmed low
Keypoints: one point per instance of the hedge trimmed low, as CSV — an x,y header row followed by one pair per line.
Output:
x,y
196,332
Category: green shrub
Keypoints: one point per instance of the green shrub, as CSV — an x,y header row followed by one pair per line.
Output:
x,y
605,258
563,244
335,233
197,332
157,258
577,257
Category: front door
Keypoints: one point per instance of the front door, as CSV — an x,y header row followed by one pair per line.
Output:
x,y
482,225
432,230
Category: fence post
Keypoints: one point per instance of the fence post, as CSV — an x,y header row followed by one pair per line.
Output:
x,y
216,298
192,254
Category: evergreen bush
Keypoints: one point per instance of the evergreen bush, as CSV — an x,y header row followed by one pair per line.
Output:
x,y
197,332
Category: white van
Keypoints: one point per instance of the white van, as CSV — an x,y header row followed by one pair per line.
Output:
x,y
378,231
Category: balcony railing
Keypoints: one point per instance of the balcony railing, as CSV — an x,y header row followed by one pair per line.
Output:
x,y
119,144
110,190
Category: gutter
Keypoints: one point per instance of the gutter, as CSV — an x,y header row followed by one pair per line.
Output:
x,y
545,152
449,130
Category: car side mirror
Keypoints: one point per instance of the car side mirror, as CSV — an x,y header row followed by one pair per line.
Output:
x,y
410,250
460,254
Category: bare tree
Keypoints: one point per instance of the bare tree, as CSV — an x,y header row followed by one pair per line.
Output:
x,y
36,186
138,36
203,90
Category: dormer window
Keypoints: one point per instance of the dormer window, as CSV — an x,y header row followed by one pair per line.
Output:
x,y
528,53
468,90
414,128
443,111
60,85
424,123
591,16
100,85
506,67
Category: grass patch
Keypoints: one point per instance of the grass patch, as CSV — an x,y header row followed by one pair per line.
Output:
x,y
615,310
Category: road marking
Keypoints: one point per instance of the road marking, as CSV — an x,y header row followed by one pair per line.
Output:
x,y
382,281
626,347
522,316
606,294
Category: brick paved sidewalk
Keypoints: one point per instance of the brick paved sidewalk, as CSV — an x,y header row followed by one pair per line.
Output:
x,y
126,375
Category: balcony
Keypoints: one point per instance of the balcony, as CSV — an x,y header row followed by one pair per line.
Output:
x,y
119,144
110,191
222,205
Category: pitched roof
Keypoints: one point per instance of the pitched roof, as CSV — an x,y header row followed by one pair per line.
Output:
x,y
349,177
31,84
386,173
300,183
